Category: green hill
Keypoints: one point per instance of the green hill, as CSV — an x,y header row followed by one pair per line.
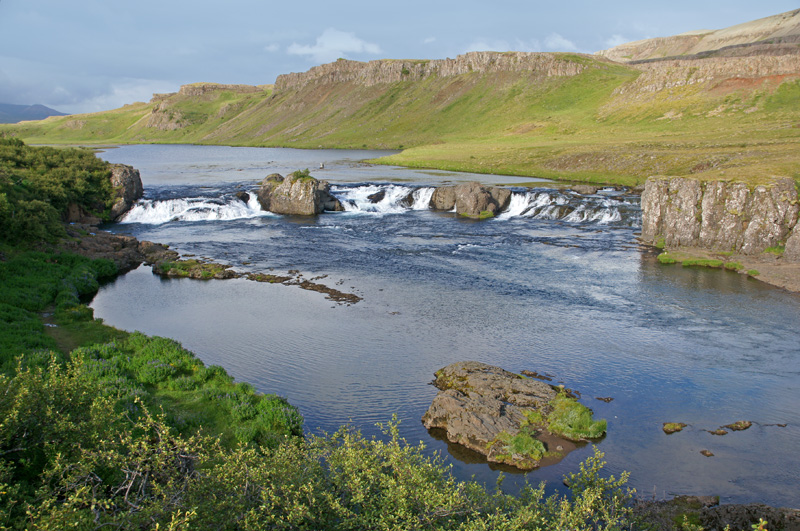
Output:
x,y
563,116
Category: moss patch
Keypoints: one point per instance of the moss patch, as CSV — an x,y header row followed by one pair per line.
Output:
x,y
572,420
673,427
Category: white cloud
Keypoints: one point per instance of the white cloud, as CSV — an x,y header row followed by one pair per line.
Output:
x,y
333,44
615,40
119,93
429,40
271,48
503,46
557,43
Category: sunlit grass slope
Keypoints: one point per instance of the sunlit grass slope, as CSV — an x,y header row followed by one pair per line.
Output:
x,y
597,126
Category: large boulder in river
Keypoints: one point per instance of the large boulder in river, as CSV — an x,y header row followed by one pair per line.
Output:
x,y
128,188
472,200
297,194
502,415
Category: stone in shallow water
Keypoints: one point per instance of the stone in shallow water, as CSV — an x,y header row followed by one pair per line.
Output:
x,y
496,413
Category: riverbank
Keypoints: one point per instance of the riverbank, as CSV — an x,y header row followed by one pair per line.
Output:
x,y
766,267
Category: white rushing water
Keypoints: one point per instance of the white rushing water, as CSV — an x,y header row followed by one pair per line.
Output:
x,y
384,199
556,283
157,212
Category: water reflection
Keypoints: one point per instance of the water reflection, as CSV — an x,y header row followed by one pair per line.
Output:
x,y
579,300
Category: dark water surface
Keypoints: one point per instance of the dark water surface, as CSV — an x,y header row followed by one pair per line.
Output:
x,y
557,285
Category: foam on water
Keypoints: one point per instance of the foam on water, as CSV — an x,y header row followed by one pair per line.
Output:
x,y
382,199
157,212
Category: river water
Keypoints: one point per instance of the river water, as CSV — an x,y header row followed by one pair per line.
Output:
x,y
558,284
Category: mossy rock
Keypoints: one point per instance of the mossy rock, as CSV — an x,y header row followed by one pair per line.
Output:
x,y
673,427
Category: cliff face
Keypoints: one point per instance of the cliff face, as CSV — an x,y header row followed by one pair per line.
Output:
x,y
769,31
391,71
721,216
198,89
662,75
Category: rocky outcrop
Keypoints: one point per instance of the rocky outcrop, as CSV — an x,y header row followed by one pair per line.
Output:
x,y
710,72
719,215
128,189
792,252
164,117
75,213
199,89
392,70
478,403
471,200
773,30
89,241
298,194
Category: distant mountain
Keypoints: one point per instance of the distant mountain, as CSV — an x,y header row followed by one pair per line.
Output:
x,y
775,35
11,114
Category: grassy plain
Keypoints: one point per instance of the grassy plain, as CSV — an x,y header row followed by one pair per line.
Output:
x,y
598,126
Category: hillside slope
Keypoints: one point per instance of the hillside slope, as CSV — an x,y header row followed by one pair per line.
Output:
x,y
563,116
772,35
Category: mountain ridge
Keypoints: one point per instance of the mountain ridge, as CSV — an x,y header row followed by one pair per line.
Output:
x,y
563,116
766,33
12,113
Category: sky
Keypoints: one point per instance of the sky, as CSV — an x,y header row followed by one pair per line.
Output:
x,y
93,55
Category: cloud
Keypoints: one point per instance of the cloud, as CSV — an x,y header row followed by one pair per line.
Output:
x,y
118,93
556,42
483,45
615,40
333,44
429,40
271,48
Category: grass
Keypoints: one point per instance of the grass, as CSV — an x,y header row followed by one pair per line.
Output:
x,y
703,262
39,288
777,250
572,420
522,449
191,269
579,128
673,427
666,258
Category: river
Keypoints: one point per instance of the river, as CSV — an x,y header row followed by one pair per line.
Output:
x,y
558,284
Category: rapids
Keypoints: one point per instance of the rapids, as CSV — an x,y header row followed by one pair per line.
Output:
x,y
556,284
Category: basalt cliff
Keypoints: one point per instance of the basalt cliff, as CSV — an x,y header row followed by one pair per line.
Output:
x,y
722,216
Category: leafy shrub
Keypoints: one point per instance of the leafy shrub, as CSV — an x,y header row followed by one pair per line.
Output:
x,y
155,371
182,383
38,183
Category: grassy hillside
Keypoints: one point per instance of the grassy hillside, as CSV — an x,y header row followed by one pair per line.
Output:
x,y
600,125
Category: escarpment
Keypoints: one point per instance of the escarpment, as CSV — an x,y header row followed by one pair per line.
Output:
x,y
392,71
772,31
710,72
721,216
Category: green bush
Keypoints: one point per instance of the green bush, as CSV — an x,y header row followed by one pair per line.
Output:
x,y
572,420
38,183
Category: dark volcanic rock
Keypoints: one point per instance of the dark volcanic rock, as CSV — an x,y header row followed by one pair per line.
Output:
x,y
744,516
88,241
443,198
472,200
296,194
377,197
128,188
244,197
77,214
479,403
719,215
